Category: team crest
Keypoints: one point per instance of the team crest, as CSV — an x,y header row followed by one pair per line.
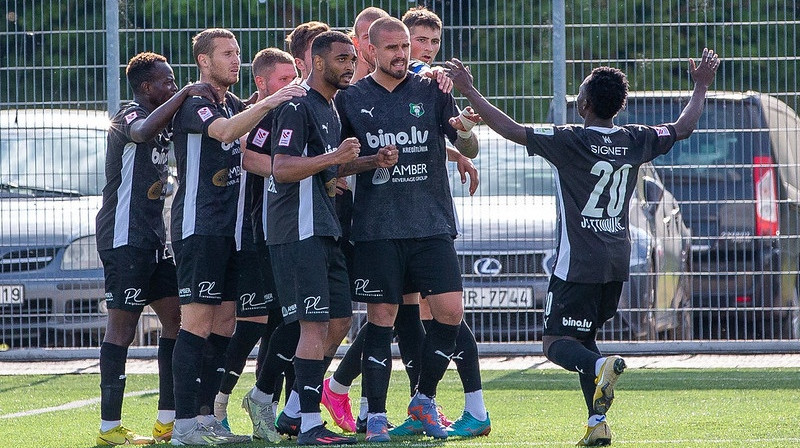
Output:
x,y
416,109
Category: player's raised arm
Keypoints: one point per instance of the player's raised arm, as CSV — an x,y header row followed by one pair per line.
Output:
x,y
703,75
491,115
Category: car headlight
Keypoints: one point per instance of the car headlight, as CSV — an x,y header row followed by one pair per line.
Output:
x,y
81,254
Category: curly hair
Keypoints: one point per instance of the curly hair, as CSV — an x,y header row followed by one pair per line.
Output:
x,y
140,68
606,91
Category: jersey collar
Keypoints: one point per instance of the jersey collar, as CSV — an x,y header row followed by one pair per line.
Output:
x,y
603,130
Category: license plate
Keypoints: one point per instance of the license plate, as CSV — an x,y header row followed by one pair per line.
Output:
x,y
498,297
12,294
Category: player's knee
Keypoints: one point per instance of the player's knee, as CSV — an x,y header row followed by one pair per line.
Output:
x,y
548,341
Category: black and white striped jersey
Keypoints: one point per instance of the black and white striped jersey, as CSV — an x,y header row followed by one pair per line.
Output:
x,y
136,174
596,171
412,199
304,127
260,140
208,170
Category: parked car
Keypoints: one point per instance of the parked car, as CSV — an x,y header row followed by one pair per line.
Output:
x,y
737,180
508,240
51,179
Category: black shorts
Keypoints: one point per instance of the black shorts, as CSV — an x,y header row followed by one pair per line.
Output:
x,y
384,270
265,265
205,268
311,280
250,292
136,277
579,309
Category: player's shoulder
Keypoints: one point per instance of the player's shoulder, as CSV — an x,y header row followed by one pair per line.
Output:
x,y
130,112
234,102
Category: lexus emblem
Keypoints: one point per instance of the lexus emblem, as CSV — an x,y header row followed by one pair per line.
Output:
x,y
487,266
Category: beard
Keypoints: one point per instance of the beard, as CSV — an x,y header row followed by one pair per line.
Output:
x,y
396,74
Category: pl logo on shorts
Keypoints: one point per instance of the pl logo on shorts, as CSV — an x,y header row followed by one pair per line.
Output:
x,y
132,296
416,109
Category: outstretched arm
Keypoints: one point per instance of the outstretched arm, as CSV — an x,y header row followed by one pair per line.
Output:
x,y
703,75
491,115
144,130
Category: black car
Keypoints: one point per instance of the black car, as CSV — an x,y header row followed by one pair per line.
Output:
x,y
738,184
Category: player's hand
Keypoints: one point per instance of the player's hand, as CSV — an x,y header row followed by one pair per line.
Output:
x,y
467,168
469,114
347,151
387,156
459,73
252,100
704,73
341,185
203,89
285,93
440,75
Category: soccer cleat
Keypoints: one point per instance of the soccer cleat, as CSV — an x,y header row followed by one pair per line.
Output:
x,y
469,426
263,418
446,422
198,434
228,435
225,424
338,405
320,435
610,371
410,427
120,435
287,426
424,410
597,435
162,432
378,429
361,425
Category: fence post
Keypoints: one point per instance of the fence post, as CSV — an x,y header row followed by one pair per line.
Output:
x,y
559,63
112,55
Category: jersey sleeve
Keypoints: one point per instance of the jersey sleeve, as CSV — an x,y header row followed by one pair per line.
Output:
x,y
133,114
289,132
449,109
198,114
550,142
340,101
258,140
654,140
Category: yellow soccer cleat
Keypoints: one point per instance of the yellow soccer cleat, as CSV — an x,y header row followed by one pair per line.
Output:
x,y
597,435
121,435
162,432
604,392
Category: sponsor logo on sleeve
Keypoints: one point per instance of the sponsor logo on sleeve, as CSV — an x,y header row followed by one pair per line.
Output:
x,y
543,130
261,137
286,137
205,113
662,131
130,117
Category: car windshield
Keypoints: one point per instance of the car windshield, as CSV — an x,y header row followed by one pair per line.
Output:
x,y
47,161
505,169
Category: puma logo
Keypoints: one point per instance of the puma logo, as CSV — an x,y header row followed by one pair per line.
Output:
x,y
285,358
369,112
457,356
294,105
315,389
440,353
373,359
325,126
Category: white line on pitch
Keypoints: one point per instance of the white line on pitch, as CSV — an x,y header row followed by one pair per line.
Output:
x,y
72,405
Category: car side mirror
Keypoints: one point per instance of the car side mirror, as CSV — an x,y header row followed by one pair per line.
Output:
x,y
653,193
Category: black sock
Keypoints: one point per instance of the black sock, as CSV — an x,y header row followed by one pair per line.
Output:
x,y
112,380
273,320
440,341
282,345
290,380
587,381
277,389
166,387
466,359
310,373
186,361
350,367
573,356
376,365
211,372
239,348
426,324
410,336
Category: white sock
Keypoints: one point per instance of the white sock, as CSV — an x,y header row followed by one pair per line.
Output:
x,y
260,397
363,408
184,424
207,420
473,403
370,415
222,398
598,365
166,416
595,419
310,420
107,425
292,408
337,388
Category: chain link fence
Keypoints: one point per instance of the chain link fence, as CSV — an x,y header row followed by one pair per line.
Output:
x,y
714,226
